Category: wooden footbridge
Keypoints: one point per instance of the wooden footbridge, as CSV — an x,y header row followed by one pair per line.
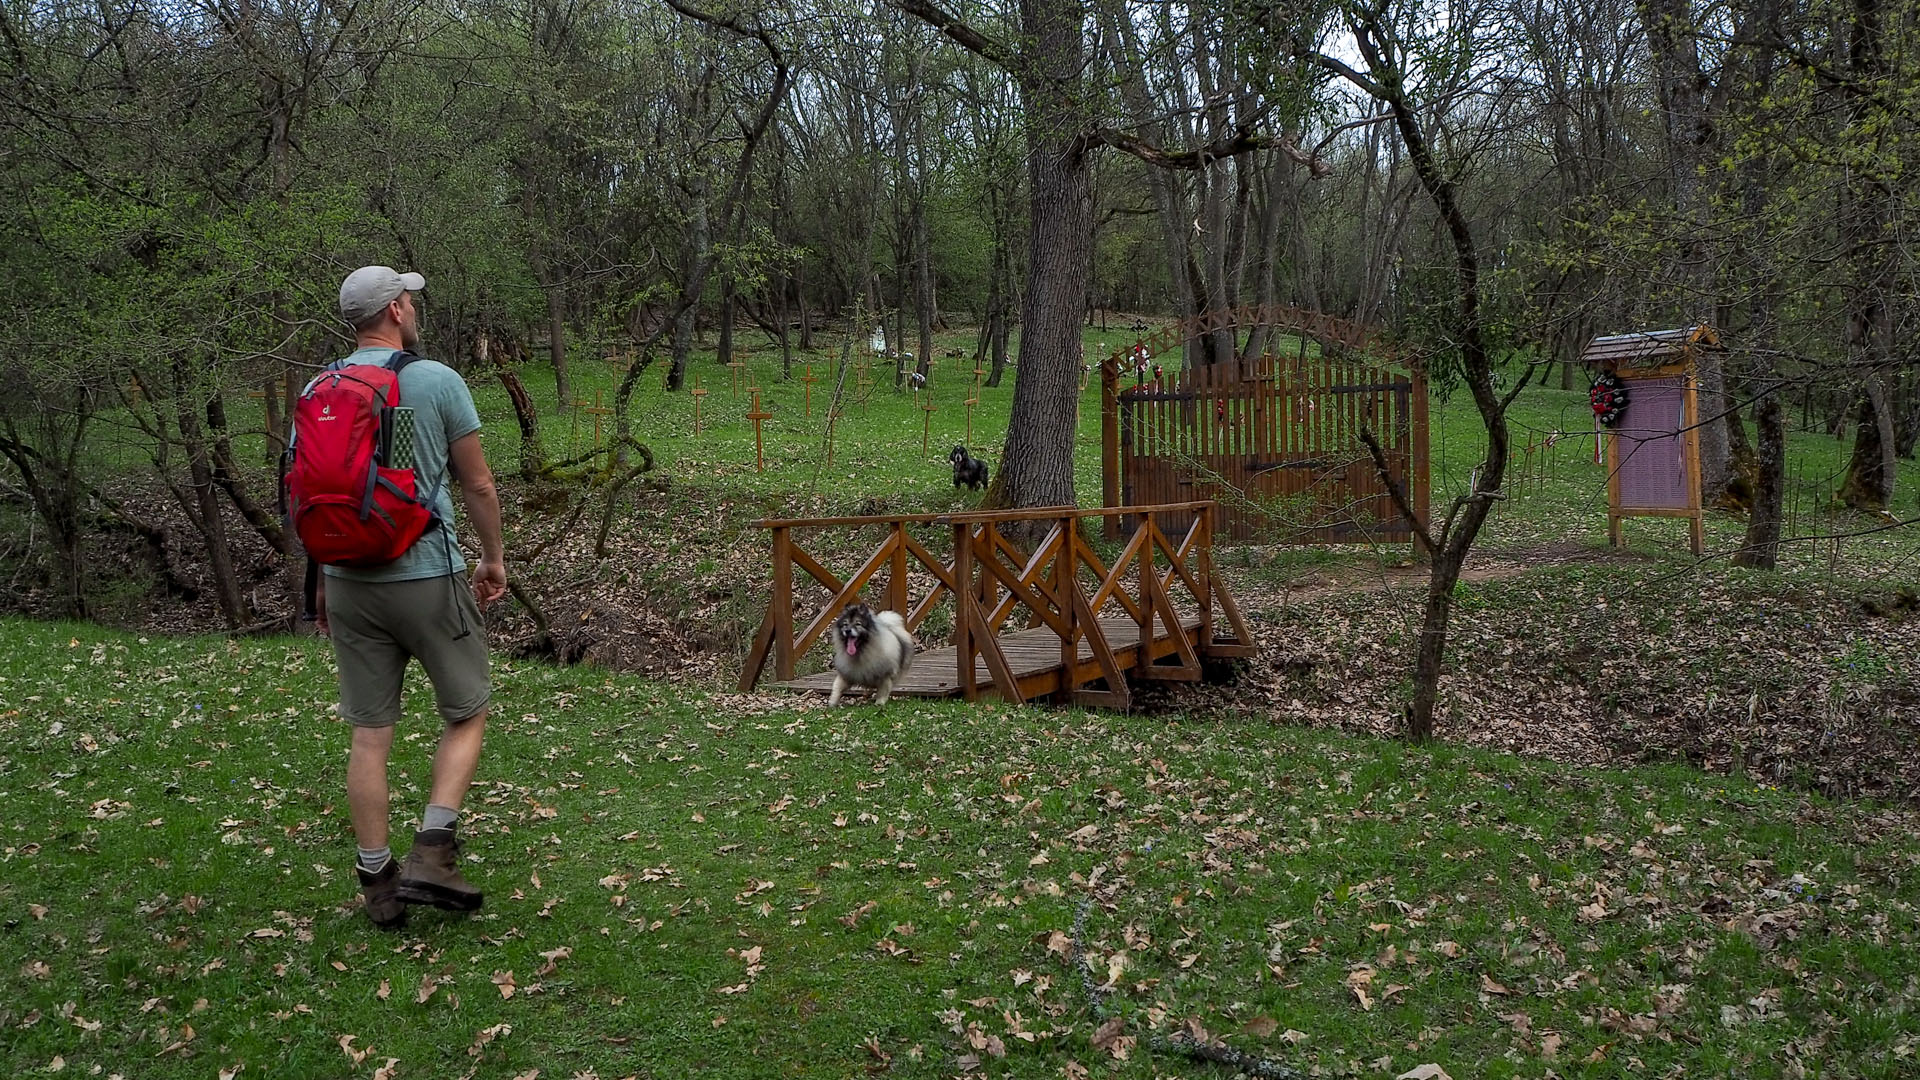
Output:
x,y
1058,623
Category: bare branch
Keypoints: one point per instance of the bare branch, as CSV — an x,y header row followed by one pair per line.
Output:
x,y
1394,490
959,32
1243,140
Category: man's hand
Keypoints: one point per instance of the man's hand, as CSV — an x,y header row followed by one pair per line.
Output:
x,y
320,608
489,581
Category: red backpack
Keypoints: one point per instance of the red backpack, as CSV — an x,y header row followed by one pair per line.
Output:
x,y
346,500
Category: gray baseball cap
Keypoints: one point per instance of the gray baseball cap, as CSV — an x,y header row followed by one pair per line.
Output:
x,y
371,288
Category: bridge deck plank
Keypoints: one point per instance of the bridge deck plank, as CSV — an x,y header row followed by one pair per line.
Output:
x,y
1034,656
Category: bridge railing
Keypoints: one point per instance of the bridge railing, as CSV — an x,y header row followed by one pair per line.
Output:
x,y
989,579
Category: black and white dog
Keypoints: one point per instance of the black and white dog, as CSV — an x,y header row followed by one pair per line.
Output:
x,y
870,649
967,469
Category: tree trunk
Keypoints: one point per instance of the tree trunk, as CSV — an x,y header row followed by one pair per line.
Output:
x,y
1761,549
724,351
923,279
693,281
1462,526
1872,277
227,475
806,309
206,502
53,490
1906,428
557,345
682,345
1673,39
1868,484
1036,466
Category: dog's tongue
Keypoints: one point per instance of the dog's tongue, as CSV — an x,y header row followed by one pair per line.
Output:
x,y
852,647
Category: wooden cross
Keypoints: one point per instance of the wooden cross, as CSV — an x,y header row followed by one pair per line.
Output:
x,y
758,416
697,393
926,421
737,366
862,382
596,412
809,379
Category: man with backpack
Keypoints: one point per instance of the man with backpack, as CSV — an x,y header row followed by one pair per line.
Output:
x,y
378,438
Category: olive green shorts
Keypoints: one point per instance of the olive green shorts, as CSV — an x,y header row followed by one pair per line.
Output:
x,y
378,626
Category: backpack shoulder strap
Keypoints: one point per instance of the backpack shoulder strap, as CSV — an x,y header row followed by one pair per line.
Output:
x,y
399,360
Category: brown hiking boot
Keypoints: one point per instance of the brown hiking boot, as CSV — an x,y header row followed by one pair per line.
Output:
x,y
431,874
382,893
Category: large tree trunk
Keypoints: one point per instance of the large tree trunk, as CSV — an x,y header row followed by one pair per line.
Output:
x,y
1761,549
1673,38
1871,467
693,283
1872,274
1037,463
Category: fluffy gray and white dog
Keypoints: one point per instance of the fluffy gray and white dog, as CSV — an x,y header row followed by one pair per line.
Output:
x,y
870,649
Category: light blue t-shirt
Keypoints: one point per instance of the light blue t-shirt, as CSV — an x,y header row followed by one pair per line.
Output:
x,y
442,412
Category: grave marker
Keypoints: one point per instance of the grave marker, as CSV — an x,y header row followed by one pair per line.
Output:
x,y
697,393
758,416
596,412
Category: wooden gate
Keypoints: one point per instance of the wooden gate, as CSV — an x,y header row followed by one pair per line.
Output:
x,y
1279,441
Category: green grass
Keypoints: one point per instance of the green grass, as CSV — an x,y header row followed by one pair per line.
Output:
x,y
176,856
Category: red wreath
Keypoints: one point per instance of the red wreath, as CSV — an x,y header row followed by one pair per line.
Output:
x,y
1609,399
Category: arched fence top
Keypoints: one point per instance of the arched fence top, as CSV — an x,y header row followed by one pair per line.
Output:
x,y
1316,325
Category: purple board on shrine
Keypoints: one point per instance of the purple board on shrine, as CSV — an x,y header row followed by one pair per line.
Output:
x,y
1652,446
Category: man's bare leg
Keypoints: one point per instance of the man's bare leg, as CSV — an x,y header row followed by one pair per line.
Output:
x,y
367,785
457,759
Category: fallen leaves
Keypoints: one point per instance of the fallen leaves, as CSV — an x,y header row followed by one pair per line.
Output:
x,y
1424,1072
1359,983
751,958
485,1036
1116,966
429,985
1110,1038
852,918
553,958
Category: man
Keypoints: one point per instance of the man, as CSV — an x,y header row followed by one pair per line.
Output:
x,y
422,606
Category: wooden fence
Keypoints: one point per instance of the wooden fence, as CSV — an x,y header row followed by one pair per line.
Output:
x,y
1275,440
